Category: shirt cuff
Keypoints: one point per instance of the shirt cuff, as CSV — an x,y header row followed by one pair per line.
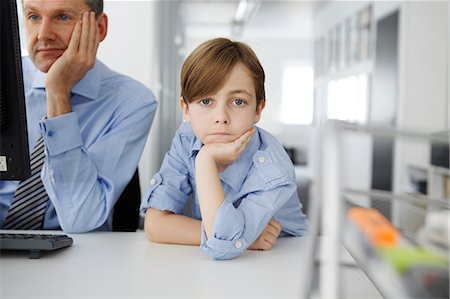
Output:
x,y
222,249
227,241
61,133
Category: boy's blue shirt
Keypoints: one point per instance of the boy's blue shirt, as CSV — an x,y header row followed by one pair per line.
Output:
x,y
259,186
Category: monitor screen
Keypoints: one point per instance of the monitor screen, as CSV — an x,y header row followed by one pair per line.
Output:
x,y
14,152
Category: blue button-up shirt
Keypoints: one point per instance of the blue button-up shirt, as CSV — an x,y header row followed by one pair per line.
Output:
x,y
92,152
259,186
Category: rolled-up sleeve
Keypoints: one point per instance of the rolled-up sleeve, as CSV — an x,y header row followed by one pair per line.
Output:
x,y
169,188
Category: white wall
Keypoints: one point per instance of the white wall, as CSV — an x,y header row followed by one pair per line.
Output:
x,y
130,44
356,148
423,100
130,48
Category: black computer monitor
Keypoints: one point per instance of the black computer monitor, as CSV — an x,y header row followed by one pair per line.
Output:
x,y
14,152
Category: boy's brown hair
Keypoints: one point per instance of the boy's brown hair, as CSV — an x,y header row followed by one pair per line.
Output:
x,y
205,70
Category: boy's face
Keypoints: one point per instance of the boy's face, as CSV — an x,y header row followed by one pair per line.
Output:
x,y
227,114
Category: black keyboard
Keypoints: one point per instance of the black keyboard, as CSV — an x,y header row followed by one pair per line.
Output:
x,y
34,243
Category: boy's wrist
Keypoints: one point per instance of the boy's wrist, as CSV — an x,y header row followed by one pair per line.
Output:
x,y
205,157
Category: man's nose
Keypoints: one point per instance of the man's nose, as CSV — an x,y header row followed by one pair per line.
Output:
x,y
46,30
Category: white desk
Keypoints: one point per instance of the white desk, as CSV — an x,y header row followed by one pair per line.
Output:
x,y
126,265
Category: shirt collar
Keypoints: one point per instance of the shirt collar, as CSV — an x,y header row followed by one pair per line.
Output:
x,y
87,87
195,147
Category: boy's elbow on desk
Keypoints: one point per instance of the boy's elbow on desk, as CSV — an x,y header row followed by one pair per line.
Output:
x,y
152,227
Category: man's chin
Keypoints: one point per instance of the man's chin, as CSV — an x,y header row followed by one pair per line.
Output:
x,y
43,65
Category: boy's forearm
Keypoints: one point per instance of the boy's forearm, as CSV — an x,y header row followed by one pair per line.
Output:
x,y
209,189
166,227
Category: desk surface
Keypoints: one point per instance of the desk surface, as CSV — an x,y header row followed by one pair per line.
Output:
x,y
111,264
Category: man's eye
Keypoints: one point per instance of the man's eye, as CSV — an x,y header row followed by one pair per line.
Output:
x,y
239,102
63,18
205,102
33,17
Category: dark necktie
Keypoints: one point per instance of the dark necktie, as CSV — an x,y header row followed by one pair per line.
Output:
x,y
30,199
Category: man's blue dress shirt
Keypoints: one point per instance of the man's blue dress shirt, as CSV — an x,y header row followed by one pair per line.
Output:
x,y
92,152
259,186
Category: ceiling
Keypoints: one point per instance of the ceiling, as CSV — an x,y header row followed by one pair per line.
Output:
x,y
268,19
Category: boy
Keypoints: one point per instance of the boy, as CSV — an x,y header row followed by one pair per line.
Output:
x,y
240,177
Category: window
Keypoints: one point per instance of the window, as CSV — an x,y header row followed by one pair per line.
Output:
x,y
297,106
347,99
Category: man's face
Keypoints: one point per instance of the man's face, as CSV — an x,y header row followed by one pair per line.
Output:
x,y
49,25
227,114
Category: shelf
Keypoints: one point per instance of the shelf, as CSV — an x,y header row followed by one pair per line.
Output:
x,y
439,170
388,281
382,276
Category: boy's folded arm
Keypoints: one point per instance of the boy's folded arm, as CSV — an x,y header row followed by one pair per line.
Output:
x,y
167,227
237,228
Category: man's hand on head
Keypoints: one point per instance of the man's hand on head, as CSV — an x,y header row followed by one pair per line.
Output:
x,y
226,153
72,65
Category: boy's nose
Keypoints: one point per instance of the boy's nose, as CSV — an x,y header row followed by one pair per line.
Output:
x,y
222,117
222,121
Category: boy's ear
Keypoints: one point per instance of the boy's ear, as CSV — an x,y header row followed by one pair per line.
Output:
x,y
184,107
260,108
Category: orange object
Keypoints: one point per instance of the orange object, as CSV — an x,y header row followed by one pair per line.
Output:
x,y
377,229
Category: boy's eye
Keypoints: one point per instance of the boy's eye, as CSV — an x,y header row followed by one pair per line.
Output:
x,y
205,102
239,102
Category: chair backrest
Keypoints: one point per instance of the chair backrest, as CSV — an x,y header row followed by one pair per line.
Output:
x,y
126,209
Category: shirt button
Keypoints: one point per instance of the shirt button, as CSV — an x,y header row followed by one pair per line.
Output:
x,y
52,178
261,160
152,182
238,244
50,133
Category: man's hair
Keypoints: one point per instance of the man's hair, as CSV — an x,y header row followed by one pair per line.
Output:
x,y
207,68
94,5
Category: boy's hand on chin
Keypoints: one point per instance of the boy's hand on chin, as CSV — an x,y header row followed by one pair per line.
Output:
x,y
225,153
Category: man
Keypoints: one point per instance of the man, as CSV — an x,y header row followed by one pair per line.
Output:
x,y
93,122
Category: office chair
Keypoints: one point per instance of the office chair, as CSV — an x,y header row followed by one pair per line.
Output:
x,y
126,209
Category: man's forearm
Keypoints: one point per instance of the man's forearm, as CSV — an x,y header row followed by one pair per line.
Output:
x,y
83,188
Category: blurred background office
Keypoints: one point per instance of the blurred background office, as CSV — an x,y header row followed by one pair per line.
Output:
x,y
381,64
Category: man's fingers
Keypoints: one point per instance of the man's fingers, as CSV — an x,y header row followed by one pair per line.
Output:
x,y
93,37
85,31
75,38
